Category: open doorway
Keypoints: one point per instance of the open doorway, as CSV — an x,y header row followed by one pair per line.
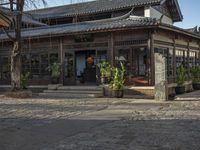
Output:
x,y
85,67
80,66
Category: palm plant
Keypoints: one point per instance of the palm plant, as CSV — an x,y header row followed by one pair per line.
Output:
x,y
196,77
195,71
117,83
54,69
181,78
181,75
105,71
55,72
24,80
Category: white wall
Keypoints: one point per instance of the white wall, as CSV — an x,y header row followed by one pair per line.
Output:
x,y
151,12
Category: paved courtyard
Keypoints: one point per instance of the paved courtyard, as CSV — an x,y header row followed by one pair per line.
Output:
x,y
100,124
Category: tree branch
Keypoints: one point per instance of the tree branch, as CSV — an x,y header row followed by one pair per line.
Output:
x,y
9,36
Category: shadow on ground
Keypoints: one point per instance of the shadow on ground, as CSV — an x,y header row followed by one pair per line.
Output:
x,y
60,134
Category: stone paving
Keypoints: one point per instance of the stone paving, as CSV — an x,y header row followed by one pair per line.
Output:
x,y
100,124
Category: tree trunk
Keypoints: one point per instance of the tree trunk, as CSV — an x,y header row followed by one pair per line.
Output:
x,y
16,67
16,51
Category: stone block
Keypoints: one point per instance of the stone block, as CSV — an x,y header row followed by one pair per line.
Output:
x,y
54,86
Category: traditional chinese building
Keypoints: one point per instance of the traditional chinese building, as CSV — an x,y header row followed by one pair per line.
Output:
x,y
81,35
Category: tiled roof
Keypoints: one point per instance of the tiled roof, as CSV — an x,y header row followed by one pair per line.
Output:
x,y
90,7
26,18
90,26
195,30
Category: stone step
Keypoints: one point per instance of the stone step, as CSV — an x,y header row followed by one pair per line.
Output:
x,y
74,91
69,95
82,88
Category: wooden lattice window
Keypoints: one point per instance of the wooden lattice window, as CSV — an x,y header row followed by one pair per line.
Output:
x,y
4,68
192,61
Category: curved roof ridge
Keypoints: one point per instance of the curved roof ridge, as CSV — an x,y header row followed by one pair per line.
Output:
x,y
125,16
90,7
142,18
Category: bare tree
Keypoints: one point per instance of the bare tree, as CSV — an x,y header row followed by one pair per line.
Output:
x,y
16,8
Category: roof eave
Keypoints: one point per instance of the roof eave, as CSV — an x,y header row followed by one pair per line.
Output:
x,y
179,30
179,12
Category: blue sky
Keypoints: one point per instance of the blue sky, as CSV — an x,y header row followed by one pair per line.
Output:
x,y
190,10
191,13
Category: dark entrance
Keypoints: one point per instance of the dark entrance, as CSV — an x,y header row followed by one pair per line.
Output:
x,y
80,66
85,67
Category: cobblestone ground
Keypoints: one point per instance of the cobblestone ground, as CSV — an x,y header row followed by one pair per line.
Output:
x,y
100,124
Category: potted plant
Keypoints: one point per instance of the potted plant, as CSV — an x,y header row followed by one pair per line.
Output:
x,y
117,83
24,80
105,71
181,77
195,71
55,72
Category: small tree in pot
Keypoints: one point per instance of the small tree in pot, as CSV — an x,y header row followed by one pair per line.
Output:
x,y
55,72
181,78
105,71
117,83
195,71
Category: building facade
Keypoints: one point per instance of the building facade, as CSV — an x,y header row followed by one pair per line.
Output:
x,y
131,31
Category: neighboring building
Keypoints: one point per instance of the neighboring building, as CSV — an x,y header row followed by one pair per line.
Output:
x,y
114,30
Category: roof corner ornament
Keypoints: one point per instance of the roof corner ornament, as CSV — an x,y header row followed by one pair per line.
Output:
x,y
161,19
199,30
128,14
131,12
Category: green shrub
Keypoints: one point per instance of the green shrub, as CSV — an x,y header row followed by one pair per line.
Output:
x,y
105,69
195,71
117,82
54,69
24,80
181,75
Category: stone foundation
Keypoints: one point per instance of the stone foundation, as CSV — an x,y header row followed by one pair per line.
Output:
x,y
133,91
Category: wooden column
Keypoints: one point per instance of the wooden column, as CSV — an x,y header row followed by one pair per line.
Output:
x,y
148,69
111,50
61,61
196,58
199,55
174,59
152,60
188,57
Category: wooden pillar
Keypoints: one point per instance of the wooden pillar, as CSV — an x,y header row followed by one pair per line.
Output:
x,y
174,60
199,55
152,60
61,61
196,58
111,50
148,69
188,58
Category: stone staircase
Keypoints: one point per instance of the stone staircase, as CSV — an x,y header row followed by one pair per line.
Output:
x,y
59,91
